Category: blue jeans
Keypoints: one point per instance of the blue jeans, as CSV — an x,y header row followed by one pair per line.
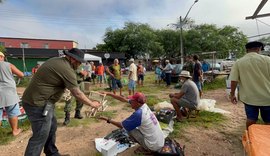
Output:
x,y
168,78
43,129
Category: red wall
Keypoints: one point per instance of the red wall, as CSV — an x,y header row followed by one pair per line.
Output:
x,y
37,43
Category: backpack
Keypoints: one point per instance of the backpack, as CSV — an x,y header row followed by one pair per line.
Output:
x,y
171,148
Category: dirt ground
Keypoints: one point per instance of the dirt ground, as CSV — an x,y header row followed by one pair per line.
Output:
x,y
221,141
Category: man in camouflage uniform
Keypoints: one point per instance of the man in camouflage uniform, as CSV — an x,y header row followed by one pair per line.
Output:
x,y
189,65
67,109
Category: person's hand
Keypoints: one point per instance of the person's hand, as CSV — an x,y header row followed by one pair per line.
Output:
x,y
233,99
96,104
201,78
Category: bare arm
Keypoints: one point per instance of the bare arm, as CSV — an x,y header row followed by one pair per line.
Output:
x,y
16,71
177,95
117,97
78,94
233,88
118,124
107,69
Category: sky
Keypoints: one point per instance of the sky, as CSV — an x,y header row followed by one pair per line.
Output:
x,y
86,21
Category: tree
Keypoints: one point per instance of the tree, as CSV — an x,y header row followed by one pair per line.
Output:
x,y
205,38
135,39
169,39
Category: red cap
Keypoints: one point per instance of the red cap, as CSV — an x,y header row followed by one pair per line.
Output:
x,y
139,97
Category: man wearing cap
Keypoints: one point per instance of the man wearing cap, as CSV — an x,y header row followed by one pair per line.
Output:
x,y
188,97
252,73
9,99
142,125
39,98
132,77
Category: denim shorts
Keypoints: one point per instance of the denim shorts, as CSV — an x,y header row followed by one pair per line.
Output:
x,y
131,85
12,111
198,84
115,83
252,112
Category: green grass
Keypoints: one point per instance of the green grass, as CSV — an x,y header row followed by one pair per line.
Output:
x,y
215,84
6,132
204,120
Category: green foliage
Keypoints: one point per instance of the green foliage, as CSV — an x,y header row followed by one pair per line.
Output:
x,y
205,38
219,82
2,48
139,39
5,130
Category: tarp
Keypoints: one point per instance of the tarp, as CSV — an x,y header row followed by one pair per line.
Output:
x,y
89,57
256,140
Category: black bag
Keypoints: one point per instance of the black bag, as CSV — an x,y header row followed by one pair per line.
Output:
x,y
171,148
165,115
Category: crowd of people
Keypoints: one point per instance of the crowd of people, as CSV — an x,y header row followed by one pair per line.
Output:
x,y
67,74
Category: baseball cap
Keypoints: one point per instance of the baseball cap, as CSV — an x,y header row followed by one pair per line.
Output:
x,y
139,97
131,60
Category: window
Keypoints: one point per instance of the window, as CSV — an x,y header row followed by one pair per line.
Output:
x,y
46,45
2,44
24,45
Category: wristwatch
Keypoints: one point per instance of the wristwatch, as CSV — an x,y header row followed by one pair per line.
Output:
x,y
108,120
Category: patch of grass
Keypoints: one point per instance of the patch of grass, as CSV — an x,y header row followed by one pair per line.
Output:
x,y
109,114
153,100
204,119
6,132
216,84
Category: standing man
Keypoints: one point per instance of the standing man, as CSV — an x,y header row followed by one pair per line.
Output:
x,y
188,96
115,72
100,73
81,74
39,98
132,77
252,73
197,73
168,71
9,99
140,73
189,65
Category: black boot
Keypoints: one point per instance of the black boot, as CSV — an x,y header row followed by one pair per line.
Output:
x,y
67,119
78,114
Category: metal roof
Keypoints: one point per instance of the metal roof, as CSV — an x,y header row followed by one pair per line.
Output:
x,y
255,14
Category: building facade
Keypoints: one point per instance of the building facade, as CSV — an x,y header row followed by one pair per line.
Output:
x,y
8,42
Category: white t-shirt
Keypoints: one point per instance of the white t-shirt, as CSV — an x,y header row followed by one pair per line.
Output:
x,y
133,69
145,120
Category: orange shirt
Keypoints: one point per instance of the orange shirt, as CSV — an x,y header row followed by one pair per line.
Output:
x,y
100,70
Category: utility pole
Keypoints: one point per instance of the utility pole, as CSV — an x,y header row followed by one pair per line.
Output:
x,y
182,22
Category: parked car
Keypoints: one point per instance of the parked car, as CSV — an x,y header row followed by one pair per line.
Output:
x,y
215,66
177,68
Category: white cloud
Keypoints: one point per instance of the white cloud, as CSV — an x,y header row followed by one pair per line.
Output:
x,y
85,21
